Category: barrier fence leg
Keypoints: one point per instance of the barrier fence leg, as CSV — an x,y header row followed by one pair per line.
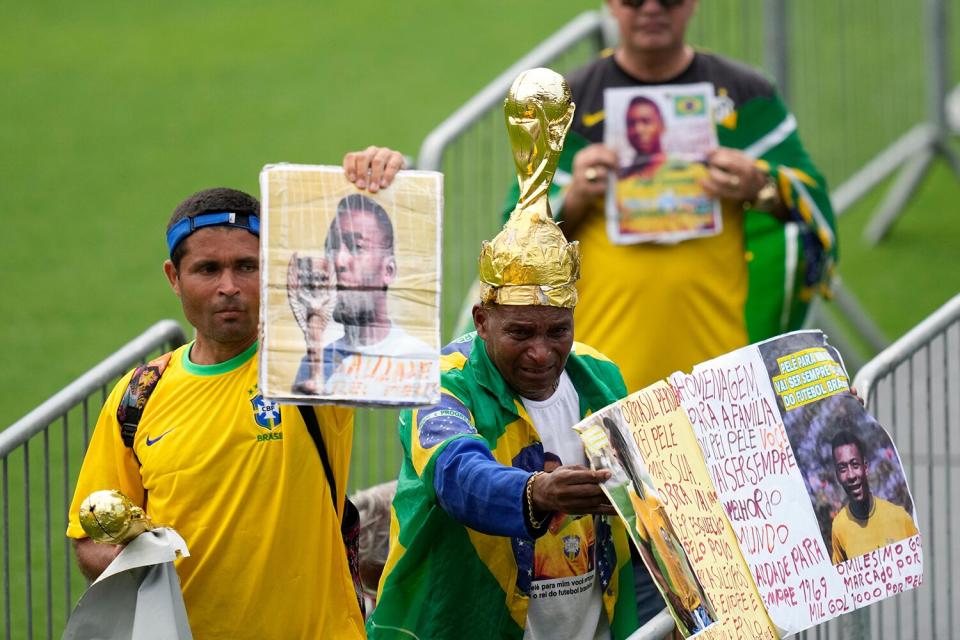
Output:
x,y
899,195
856,625
776,44
917,167
851,309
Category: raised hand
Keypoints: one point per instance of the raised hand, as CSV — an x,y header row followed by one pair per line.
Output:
x,y
372,169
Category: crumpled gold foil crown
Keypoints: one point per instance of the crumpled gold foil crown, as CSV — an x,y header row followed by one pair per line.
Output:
x,y
111,517
530,261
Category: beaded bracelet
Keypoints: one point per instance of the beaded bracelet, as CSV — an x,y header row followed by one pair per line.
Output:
x,y
529,491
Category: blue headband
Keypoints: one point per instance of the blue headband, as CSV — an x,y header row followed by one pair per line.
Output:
x,y
185,226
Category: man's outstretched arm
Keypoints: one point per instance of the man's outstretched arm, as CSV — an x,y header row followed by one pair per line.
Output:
x,y
492,498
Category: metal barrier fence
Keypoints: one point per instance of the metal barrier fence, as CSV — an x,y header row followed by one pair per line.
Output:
x,y
913,389
41,455
850,120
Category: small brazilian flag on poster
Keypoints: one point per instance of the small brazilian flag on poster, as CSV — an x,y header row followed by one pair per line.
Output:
x,y
689,105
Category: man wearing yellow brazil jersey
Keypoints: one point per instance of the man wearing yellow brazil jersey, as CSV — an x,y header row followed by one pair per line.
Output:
x,y
664,308
866,522
237,476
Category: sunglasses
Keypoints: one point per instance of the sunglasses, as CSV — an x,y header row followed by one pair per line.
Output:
x,y
666,4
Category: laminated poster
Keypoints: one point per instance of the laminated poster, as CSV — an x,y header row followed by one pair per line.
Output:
x,y
662,136
762,496
351,287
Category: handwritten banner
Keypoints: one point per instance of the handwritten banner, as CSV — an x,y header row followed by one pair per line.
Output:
x,y
705,581
737,423
787,501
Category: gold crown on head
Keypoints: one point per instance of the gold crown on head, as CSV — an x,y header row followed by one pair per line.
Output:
x,y
530,261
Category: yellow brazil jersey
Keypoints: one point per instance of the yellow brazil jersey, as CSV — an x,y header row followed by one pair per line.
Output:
x,y
566,549
851,537
670,200
652,524
240,479
684,300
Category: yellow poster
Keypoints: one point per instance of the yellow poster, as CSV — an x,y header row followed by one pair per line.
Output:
x,y
661,487
351,284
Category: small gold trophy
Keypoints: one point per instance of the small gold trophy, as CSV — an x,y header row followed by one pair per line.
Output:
x,y
530,261
111,517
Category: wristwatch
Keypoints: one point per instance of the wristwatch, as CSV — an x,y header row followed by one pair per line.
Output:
x,y
767,198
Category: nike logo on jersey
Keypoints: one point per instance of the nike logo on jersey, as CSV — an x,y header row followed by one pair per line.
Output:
x,y
151,442
590,119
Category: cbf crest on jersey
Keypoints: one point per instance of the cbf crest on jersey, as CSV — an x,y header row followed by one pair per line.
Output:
x,y
571,547
265,412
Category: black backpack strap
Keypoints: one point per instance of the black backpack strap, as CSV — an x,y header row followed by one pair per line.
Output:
x,y
142,383
350,523
313,428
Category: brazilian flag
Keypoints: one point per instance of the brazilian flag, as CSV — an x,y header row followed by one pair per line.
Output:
x,y
689,105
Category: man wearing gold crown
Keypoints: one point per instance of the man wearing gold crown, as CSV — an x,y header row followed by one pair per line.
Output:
x,y
474,504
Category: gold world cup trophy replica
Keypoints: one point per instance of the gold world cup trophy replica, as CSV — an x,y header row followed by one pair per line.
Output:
x,y
530,261
138,594
111,517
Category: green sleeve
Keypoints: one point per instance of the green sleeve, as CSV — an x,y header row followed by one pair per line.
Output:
x,y
787,264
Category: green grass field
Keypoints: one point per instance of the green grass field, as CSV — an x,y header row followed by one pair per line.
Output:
x,y
915,269
114,112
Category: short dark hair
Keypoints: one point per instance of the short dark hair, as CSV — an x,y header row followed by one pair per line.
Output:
x,y
214,200
638,100
843,438
360,202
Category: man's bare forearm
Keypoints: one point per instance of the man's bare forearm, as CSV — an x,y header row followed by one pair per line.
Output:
x,y
94,557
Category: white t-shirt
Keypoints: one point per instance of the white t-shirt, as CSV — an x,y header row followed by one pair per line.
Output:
x,y
399,368
554,418
565,596
398,343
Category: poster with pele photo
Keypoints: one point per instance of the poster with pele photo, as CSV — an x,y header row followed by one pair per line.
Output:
x,y
763,497
662,136
351,287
